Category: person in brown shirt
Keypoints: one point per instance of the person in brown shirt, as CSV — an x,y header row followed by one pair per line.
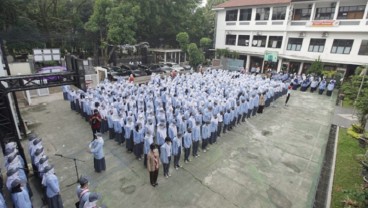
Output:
x,y
262,102
153,164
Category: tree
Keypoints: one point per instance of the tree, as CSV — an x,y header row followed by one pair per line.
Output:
x,y
351,88
22,37
114,24
205,43
196,56
362,106
183,40
316,67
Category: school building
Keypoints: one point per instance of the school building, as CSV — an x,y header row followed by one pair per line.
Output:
x,y
294,33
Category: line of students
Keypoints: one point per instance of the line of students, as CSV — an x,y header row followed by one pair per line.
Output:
x,y
45,173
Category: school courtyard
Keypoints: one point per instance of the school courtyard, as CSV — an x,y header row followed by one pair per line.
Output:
x,y
271,160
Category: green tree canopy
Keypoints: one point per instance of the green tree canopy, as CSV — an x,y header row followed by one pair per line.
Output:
x,y
114,24
205,43
196,56
183,40
316,67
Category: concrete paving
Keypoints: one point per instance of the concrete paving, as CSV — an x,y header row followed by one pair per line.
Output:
x,y
271,160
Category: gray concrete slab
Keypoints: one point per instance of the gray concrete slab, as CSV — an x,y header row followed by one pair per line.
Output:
x,y
271,160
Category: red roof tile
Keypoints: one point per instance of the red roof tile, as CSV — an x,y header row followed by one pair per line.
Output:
x,y
241,3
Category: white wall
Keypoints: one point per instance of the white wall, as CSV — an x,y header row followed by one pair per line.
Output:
x,y
20,68
2,70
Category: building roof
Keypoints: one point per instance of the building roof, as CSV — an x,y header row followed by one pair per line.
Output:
x,y
241,3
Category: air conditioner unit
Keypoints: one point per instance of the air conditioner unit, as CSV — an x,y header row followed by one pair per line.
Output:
x,y
302,34
333,4
310,6
325,34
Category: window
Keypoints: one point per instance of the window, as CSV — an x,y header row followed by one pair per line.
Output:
x,y
302,14
363,48
262,13
279,13
295,44
275,42
342,46
245,15
259,41
317,45
243,40
231,15
325,13
230,39
351,12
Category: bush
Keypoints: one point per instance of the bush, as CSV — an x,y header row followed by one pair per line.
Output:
x,y
353,133
357,128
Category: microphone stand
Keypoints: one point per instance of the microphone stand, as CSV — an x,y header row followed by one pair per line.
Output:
x,y
75,165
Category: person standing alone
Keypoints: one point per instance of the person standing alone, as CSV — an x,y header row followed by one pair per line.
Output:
x,y
96,148
288,93
95,122
153,164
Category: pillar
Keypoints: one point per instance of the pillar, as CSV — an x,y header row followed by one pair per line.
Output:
x,y
165,57
300,68
247,64
279,65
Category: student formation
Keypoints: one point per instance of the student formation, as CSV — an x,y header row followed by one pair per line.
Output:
x,y
188,111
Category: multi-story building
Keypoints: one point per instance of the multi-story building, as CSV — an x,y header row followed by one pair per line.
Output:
x,y
296,31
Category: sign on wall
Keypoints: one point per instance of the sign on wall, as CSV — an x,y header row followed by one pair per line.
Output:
x,y
323,23
270,56
46,54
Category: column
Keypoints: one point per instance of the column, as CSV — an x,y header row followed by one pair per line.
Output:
x,y
179,56
300,68
365,14
279,65
247,64
313,12
175,58
165,57
262,69
336,10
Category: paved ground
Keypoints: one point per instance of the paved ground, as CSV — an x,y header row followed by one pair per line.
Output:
x,y
272,160
344,117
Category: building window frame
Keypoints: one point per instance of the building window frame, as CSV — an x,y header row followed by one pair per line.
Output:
x,y
231,15
245,14
230,39
317,45
279,13
259,41
263,13
363,50
351,12
305,14
275,41
295,44
243,40
342,46
324,13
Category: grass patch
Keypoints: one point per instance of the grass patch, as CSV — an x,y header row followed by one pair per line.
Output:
x,y
346,103
347,168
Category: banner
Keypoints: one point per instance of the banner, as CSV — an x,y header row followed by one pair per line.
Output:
x,y
323,23
271,56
